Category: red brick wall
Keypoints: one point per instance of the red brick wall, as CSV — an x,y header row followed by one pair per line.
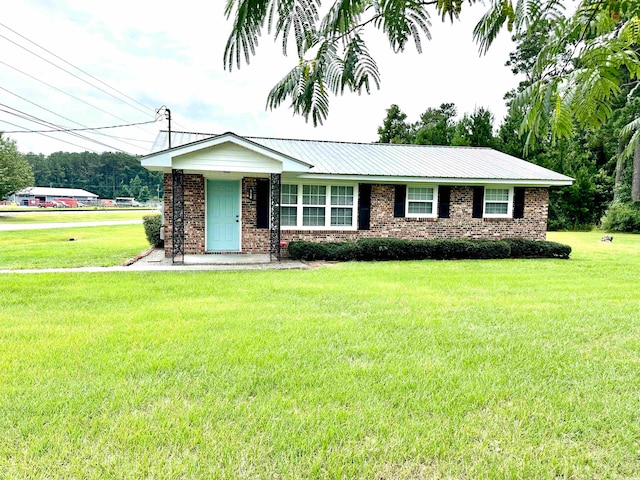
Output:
x,y
194,225
254,240
460,224
383,224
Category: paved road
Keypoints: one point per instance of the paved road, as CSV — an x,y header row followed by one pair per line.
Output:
x,y
39,226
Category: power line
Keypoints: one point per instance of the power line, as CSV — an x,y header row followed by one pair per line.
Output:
x,y
45,123
62,116
49,136
92,128
77,68
63,92
72,74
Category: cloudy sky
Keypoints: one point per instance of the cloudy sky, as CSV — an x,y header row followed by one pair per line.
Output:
x,y
170,53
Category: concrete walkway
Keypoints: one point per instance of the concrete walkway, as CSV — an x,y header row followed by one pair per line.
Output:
x,y
38,226
155,261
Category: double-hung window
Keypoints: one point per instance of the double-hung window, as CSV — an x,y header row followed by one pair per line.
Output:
x,y
498,202
314,199
421,201
316,206
289,205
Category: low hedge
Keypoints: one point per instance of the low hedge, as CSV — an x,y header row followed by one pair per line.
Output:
x,y
152,225
537,249
445,249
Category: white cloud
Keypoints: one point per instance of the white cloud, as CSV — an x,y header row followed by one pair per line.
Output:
x,y
164,53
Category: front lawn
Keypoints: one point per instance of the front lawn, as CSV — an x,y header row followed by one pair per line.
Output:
x,y
461,369
53,248
67,216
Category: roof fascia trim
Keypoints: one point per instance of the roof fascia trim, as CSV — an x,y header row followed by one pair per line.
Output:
x,y
226,137
440,180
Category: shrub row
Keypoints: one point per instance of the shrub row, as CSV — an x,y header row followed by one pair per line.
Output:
x,y
445,249
152,225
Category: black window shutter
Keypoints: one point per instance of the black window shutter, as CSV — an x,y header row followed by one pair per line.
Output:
x,y
518,202
399,200
262,203
444,199
364,206
478,200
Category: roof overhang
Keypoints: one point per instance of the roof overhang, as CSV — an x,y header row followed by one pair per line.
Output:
x,y
441,180
208,155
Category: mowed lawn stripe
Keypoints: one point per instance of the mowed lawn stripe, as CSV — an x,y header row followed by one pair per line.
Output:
x,y
459,369
71,247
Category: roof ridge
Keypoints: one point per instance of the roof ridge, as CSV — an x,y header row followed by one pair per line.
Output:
x,y
335,141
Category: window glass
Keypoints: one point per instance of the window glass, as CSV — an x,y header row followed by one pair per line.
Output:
x,y
496,201
420,200
314,194
313,216
496,208
289,194
421,207
496,195
288,216
421,194
341,216
341,195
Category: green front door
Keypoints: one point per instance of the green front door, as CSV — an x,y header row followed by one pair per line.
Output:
x,y
223,216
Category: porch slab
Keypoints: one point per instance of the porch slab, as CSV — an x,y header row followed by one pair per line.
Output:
x,y
226,259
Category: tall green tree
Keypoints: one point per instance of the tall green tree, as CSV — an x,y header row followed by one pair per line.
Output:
x,y
15,171
475,130
436,126
102,174
395,128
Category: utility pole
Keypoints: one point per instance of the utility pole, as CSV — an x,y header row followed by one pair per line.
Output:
x,y
164,111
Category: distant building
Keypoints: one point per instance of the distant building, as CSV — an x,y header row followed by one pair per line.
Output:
x,y
36,195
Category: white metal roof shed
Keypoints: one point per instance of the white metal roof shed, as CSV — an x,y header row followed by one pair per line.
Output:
x,y
55,192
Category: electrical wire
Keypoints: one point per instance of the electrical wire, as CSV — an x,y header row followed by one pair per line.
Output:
x,y
40,121
73,121
79,69
72,74
49,136
91,128
65,93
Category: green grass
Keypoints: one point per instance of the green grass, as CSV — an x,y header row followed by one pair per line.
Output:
x,y
461,369
71,216
51,248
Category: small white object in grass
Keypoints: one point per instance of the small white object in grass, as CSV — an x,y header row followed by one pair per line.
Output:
x,y
607,238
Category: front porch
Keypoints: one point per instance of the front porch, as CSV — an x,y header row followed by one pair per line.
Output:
x,y
217,218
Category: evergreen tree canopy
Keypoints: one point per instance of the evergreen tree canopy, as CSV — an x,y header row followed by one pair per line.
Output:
x,y
15,171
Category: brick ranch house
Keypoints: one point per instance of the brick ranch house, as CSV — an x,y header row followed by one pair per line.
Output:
x,y
227,193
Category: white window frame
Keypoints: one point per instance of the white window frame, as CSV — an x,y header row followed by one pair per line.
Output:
x,y
434,209
327,206
509,213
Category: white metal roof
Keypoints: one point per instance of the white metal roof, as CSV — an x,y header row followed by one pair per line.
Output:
x,y
393,160
55,192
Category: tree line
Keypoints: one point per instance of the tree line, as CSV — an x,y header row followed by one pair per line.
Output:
x,y
107,174
593,155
